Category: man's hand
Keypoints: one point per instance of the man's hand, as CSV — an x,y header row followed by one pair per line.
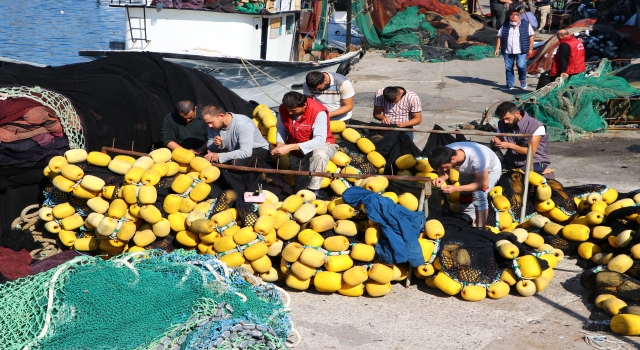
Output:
x,y
496,52
495,140
530,52
564,75
386,120
211,156
502,144
401,124
195,151
439,181
218,141
449,189
281,150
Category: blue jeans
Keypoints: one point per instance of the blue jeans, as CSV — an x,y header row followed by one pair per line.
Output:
x,y
521,61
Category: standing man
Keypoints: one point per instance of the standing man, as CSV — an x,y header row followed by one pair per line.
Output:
x,y
498,10
544,7
304,133
333,90
233,138
184,128
515,41
514,121
396,106
479,170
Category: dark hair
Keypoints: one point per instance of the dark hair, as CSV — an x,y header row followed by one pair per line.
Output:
x,y
184,107
293,99
441,155
314,79
391,92
504,108
212,110
516,11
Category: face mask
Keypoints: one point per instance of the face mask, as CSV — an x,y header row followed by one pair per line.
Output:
x,y
514,23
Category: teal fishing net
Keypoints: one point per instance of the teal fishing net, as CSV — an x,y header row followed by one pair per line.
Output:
x,y
577,106
152,300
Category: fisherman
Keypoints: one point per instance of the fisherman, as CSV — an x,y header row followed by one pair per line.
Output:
x,y
399,107
568,61
184,128
233,138
515,121
333,90
304,134
515,40
479,170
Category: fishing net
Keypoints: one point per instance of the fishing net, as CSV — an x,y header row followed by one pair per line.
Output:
x,y
58,103
575,108
434,36
137,301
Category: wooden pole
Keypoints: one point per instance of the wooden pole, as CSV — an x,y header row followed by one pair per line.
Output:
x,y
463,132
527,169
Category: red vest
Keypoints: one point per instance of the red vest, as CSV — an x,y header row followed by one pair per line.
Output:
x,y
301,130
576,57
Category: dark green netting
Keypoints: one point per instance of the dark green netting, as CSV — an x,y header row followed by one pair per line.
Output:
x,y
364,22
475,53
577,106
141,301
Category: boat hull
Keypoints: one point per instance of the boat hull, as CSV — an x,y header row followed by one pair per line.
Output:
x,y
261,81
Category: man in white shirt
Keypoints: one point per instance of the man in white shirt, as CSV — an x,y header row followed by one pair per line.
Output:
x,y
515,41
333,90
479,170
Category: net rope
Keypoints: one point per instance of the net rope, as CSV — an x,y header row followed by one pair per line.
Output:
x,y
58,103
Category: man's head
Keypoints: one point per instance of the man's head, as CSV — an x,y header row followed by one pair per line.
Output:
x,y
295,103
317,80
186,110
509,113
562,33
392,94
514,17
443,158
214,116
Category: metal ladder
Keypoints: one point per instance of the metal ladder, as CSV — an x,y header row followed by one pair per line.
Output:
x,y
143,26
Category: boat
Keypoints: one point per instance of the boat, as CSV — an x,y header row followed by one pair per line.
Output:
x,y
257,55
6,61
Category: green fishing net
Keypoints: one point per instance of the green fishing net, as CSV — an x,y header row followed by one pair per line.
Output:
x,y
474,53
151,300
576,107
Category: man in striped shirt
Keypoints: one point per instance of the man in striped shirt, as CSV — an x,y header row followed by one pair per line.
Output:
x,y
397,106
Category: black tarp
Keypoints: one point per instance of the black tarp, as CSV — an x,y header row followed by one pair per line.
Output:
x,y
122,98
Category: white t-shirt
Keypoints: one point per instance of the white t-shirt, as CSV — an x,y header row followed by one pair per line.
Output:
x,y
340,88
513,41
477,158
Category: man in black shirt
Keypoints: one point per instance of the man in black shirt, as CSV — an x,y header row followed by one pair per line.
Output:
x,y
185,128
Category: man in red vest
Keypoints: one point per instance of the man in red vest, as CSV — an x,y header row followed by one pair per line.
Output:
x,y
569,60
304,134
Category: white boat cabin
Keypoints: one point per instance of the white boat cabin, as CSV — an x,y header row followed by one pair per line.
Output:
x,y
208,33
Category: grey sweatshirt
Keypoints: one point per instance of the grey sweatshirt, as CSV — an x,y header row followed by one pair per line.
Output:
x,y
239,139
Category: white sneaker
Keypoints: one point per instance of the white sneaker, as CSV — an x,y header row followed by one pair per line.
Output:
x,y
523,84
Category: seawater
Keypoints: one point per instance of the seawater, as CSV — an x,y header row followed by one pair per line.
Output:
x,y
52,32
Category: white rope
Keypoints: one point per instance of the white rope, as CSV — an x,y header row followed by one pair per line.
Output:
x,y
599,341
287,300
265,73
51,294
297,334
255,81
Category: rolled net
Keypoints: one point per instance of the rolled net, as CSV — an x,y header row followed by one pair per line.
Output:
x,y
177,300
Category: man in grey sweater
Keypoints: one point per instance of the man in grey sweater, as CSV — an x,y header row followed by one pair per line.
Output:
x,y
233,138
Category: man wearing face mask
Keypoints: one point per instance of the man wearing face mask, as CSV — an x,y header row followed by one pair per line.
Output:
x,y
515,41
514,121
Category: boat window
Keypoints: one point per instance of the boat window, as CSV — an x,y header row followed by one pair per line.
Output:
x,y
289,24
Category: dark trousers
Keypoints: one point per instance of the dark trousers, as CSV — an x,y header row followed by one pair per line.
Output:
x,y
497,15
258,153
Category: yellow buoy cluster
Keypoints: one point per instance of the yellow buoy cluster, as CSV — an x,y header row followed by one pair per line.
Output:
x,y
614,252
526,275
122,219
